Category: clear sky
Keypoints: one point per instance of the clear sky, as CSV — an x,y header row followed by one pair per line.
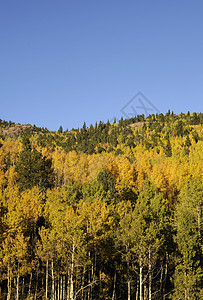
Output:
x,y
65,62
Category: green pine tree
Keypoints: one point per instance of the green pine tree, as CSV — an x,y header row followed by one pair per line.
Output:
x,y
33,169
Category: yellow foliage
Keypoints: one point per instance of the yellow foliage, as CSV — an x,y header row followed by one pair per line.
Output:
x,y
13,147
75,167
32,204
11,176
2,180
126,172
196,159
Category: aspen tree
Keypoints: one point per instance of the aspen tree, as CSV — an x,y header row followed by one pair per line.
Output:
x,y
125,241
150,222
188,223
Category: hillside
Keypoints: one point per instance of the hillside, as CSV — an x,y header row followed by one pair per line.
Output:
x,y
109,211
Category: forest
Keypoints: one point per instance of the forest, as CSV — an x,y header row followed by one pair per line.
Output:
x,y
110,211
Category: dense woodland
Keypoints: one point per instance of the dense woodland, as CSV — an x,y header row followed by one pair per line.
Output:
x,y
109,211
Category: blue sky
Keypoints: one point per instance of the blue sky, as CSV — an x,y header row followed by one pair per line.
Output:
x,y
65,62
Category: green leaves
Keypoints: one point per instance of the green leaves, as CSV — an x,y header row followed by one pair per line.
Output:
x,y
34,170
188,224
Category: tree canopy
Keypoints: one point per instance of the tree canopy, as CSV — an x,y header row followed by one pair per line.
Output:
x,y
111,211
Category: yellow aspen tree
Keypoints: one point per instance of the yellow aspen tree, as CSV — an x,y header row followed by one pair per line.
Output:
x,y
99,227
11,176
71,169
96,163
143,167
2,180
196,160
15,245
111,165
51,248
124,241
13,147
32,204
58,163
126,179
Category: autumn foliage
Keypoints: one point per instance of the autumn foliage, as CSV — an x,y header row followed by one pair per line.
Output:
x,y
113,211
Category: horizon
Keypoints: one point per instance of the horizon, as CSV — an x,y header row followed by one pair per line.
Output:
x,y
116,121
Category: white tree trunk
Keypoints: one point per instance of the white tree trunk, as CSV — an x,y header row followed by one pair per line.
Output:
x,y
30,284
68,286
141,297
114,286
137,291
61,288
23,287
17,285
128,281
58,287
165,277
129,290
71,273
150,276
46,287
64,287
145,291
52,280
8,284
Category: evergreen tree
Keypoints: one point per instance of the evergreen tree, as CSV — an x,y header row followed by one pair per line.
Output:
x,y
168,148
187,145
195,120
108,185
60,129
187,142
179,128
33,169
195,136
